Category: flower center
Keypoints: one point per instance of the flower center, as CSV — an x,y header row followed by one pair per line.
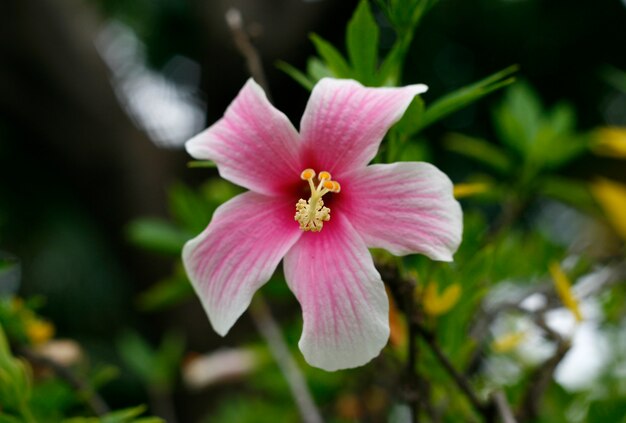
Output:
x,y
311,214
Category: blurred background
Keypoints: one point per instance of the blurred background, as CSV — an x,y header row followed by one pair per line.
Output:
x,y
97,98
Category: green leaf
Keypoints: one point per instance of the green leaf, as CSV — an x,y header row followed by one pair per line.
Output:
x,y
193,164
332,58
156,235
362,43
410,121
166,293
137,355
15,380
294,73
189,208
556,142
518,118
389,71
415,151
569,191
157,368
128,415
167,360
615,77
608,410
317,69
462,97
479,150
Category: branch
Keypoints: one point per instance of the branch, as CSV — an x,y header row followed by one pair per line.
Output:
x,y
542,376
261,315
95,402
414,396
503,407
245,47
399,286
460,380
270,330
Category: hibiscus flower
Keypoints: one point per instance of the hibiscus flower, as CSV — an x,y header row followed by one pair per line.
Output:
x,y
314,203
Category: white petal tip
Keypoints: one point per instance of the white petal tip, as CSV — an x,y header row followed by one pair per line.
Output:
x,y
419,88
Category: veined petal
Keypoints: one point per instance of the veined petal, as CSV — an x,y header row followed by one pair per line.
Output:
x,y
254,145
344,304
344,122
237,253
404,208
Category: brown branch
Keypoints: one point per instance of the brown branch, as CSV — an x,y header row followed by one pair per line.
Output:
x,y
245,47
542,376
260,312
503,407
399,287
269,329
414,395
94,401
459,379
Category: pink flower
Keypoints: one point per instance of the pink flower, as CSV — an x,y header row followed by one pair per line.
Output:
x,y
297,210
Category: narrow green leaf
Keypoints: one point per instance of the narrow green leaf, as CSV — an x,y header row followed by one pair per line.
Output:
x,y
362,43
331,56
168,358
294,73
189,208
166,293
460,98
317,69
389,71
156,235
518,118
137,354
569,191
201,164
410,121
479,150
615,77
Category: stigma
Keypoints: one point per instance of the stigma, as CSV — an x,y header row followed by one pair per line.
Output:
x,y
311,214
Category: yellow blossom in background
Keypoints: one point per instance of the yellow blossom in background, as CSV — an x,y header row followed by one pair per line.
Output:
x,y
470,189
564,290
436,304
612,198
610,141
39,331
508,342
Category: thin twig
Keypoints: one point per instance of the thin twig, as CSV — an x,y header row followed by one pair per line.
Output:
x,y
260,312
245,47
460,380
269,329
399,285
414,395
95,401
503,407
542,376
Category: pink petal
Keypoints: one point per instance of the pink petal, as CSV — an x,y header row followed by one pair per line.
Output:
x,y
404,208
343,299
254,145
238,252
344,122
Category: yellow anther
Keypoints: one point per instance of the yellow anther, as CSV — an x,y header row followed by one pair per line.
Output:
x,y
307,174
324,176
311,214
